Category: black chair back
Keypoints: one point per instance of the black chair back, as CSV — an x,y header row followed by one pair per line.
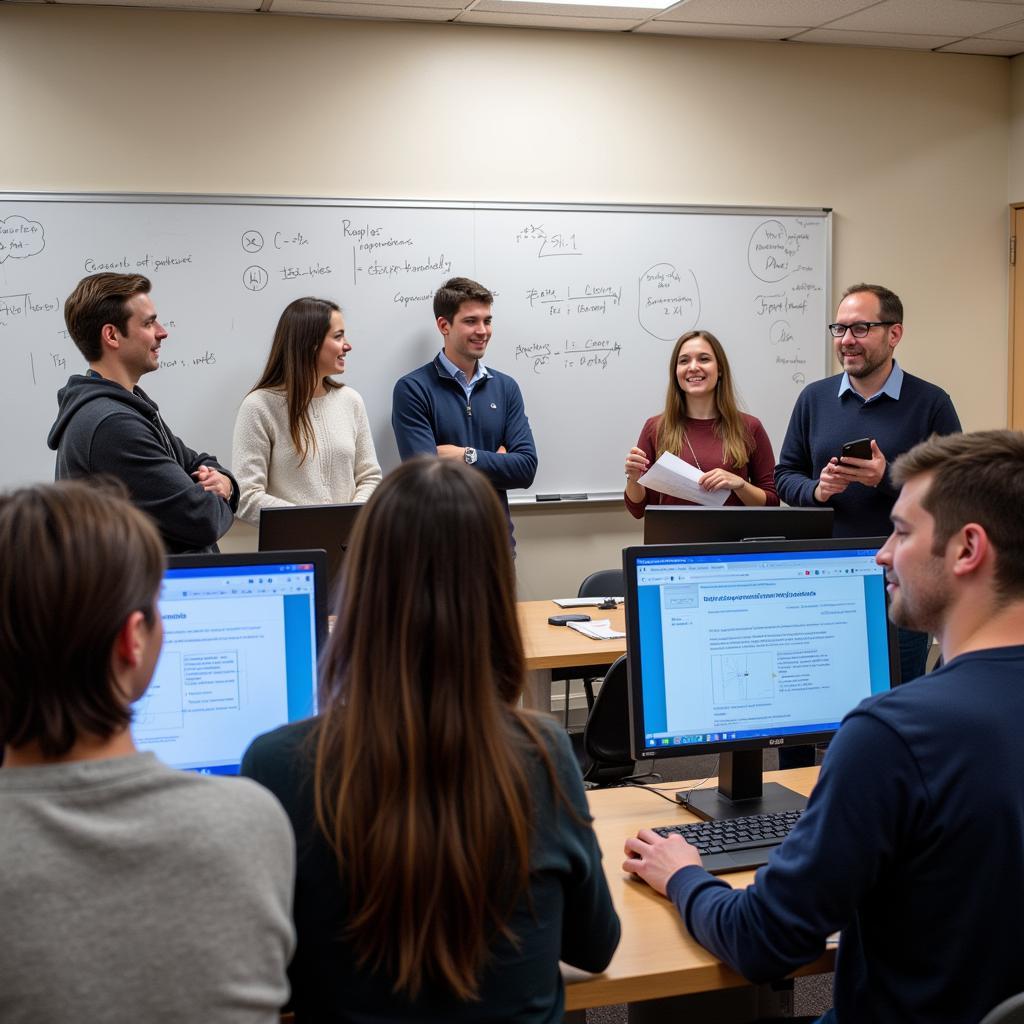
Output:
x,y
603,583
606,736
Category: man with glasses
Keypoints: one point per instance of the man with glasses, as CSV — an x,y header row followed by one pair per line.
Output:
x,y
872,398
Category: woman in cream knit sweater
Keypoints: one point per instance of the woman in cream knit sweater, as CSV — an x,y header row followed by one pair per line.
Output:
x,y
301,438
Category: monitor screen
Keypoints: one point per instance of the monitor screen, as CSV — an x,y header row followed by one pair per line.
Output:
x,y
241,639
691,524
737,647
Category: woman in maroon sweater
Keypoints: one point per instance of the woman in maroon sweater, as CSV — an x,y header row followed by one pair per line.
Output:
x,y
702,425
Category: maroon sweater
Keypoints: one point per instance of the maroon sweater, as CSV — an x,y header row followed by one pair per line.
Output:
x,y
759,470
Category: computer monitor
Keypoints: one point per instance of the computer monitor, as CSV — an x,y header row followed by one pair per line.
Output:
x,y
694,524
242,634
736,647
311,526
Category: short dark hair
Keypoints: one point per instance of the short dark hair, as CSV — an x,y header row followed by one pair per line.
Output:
x,y
976,478
889,305
454,292
78,558
98,300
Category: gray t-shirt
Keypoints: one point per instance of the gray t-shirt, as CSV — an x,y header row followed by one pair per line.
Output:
x,y
132,893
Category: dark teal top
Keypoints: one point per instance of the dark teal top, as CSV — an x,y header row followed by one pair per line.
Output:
x,y
567,913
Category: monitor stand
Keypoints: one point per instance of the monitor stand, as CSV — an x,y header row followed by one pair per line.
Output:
x,y
741,790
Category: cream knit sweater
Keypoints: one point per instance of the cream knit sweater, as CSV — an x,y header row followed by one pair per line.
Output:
x,y
343,467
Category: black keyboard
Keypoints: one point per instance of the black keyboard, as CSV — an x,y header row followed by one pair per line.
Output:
x,y
735,844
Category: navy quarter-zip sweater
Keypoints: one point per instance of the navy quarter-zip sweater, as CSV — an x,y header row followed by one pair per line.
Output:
x,y
429,408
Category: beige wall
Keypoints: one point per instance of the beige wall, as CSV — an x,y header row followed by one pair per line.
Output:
x,y
911,149
1016,114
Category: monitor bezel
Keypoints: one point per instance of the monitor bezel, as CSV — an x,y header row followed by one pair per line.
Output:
x,y
633,672
314,525
730,523
316,556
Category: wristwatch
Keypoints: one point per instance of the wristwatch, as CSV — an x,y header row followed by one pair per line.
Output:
x,y
470,456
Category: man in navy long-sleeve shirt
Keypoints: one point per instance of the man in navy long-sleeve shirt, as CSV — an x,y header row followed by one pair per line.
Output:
x,y
912,844
457,408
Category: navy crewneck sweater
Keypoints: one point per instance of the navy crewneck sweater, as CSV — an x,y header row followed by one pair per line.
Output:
x,y
822,423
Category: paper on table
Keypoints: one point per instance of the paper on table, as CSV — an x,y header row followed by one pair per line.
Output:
x,y
585,602
671,475
596,629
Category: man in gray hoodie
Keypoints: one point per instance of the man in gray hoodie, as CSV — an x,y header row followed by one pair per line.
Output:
x,y
107,424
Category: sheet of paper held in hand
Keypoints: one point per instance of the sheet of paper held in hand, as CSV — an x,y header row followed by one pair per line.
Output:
x,y
671,475
596,629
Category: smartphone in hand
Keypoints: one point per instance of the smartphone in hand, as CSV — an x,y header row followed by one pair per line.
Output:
x,y
859,449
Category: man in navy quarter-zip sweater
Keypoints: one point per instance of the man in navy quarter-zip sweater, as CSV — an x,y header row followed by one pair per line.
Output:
x,y
457,408
873,397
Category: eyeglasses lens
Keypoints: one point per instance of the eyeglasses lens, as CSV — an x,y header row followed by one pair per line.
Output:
x,y
857,330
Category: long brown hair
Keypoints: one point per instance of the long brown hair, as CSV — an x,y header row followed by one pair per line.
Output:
x,y
729,427
291,365
423,759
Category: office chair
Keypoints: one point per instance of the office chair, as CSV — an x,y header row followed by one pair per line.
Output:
x,y
606,736
603,583
1009,1011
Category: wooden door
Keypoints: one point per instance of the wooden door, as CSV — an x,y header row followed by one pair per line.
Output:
x,y
1015,374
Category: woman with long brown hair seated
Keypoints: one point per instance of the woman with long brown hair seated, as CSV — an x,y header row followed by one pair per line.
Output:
x,y
702,425
446,860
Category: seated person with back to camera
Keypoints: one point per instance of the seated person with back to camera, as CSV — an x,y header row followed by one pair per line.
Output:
x,y
447,861
130,891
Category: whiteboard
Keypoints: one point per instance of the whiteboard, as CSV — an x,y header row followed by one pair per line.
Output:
x,y
588,303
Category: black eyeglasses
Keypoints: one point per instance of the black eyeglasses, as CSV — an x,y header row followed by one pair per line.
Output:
x,y
859,330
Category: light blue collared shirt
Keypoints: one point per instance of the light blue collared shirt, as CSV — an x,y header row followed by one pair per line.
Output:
x,y
465,383
891,387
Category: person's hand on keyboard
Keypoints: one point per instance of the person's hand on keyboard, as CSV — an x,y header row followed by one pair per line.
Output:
x,y
656,860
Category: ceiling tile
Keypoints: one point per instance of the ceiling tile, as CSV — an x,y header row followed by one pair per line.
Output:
x,y
177,5
948,17
903,41
275,5
986,47
541,21
626,12
378,11
763,13
1014,32
663,26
